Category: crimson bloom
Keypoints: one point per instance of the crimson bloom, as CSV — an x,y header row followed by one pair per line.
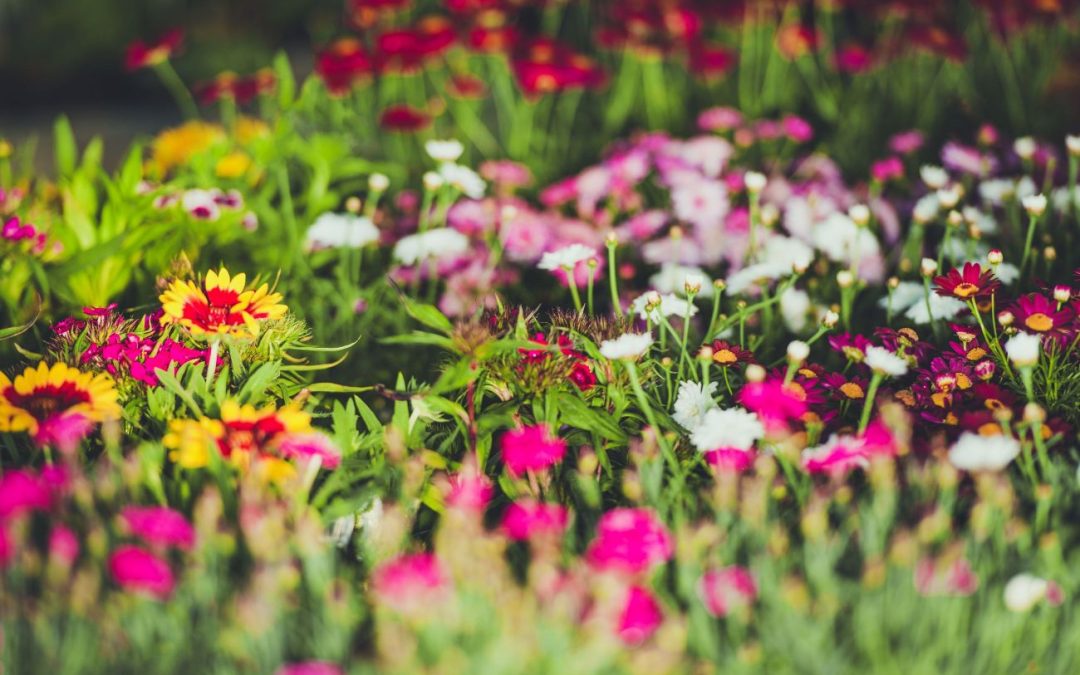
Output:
x,y
531,449
145,55
1038,314
529,519
403,118
640,616
342,65
970,282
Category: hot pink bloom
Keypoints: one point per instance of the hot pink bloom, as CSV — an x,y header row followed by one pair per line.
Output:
x,y
775,403
943,578
506,174
531,449
797,129
64,432
727,589
906,142
854,58
308,445
310,668
836,457
735,460
135,569
63,545
22,491
640,617
630,540
890,168
526,236
527,519
409,581
469,491
7,549
159,526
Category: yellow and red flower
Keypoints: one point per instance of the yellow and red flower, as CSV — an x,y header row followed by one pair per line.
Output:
x,y
56,404
970,282
220,305
249,437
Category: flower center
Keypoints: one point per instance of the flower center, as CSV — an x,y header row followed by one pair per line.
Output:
x,y
725,356
1039,322
990,429
965,290
48,401
852,390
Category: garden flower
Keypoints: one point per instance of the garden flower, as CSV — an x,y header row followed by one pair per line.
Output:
x,y
444,151
135,569
626,347
640,616
310,445
885,362
937,578
674,278
692,403
727,437
566,258
469,491
342,65
220,305
941,308
775,402
1038,314
159,526
836,457
63,545
531,449
339,230
410,582
437,243
1025,591
1023,349
464,179
726,354
528,519
630,540
669,305
976,453
21,492
56,404
404,119
145,55
175,147
727,590
200,204
971,282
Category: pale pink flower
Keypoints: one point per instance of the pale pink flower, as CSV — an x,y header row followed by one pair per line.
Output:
x,y
531,449
719,119
836,457
630,540
312,444
727,589
906,142
702,202
642,226
472,216
505,174
63,545
469,491
526,236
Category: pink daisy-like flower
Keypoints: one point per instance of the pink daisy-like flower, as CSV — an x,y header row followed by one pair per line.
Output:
x,y
630,540
531,449
727,589
310,668
159,526
135,569
776,403
836,457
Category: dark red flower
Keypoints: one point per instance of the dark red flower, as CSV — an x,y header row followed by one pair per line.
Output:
x,y
404,118
970,282
342,65
1036,313
466,86
711,62
492,40
144,55
366,13
727,354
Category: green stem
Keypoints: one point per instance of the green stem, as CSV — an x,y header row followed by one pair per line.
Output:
x,y
868,406
171,79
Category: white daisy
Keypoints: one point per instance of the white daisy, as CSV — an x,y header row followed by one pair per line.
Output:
x,y
692,403
975,452
337,230
566,257
733,428
628,347
885,362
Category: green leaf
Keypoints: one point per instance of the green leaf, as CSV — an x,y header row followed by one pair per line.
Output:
x,y
66,149
334,388
14,331
169,381
421,338
256,384
577,413
286,81
429,315
308,348
368,415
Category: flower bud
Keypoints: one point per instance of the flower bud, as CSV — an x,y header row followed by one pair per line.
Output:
x,y
754,181
1024,147
845,279
1033,412
860,214
676,232
755,373
1072,144
934,176
378,182
954,219
705,353
692,285
1050,253
830,319
995,257
928,267
985,370
353,204
949,197
770,214
1062,293
797,352
1005,318
894,283
432,181
1035,205
719,285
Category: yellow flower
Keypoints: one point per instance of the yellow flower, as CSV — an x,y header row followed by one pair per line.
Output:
x,y
249,129
233,165
220,305
175,147
44,395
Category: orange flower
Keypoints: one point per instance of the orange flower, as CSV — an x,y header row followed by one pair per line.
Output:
x,y
220,305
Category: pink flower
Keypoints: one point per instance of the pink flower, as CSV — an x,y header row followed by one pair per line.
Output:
x,y
310,668
310,445
506,174
63,545
528,519
159,526
526,236
775,403
906,142
966,159
640,617
531,449
797,129
409,581
890,168
719,119
853,58
469,491
64,432
703,202
945,578
734,460
472,216
642,226
836,457
137,570
22,491
727,589
630,540
7,549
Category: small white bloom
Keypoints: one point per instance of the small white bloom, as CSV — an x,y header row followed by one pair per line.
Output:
x,y
935,177
974,452
797,351
949,197
845,279
1024,147
942,308
673,278
997,191
1024,591
629,346
755,181
378,182
926,209
787,253
1035,205
733,428
860,214
928,267
432,181
566,257
693,401
1023,349
830,319
885,362
1072,144
444,151
341,230
437,243
463,178
906,294
795,308
842,241
754,274
669,305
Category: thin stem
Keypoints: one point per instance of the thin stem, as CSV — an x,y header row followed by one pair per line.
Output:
x,y
572,282
212,363
868,406
171,79
613,283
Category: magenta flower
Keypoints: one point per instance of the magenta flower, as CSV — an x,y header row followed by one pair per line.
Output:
x,y
528,519
63,545
776,403
309,445
906,142
64,432
945,578
531,449
731,460
630,540
836,457
409,581
140,571
159,526
7,549
22,491
640,617
469,491
727,589
719,119
797,129
310,668
890,168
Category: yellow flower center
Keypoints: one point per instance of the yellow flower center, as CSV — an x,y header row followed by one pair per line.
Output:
x,y
725,356
1039,322
990,429
976,354
965,290
851,390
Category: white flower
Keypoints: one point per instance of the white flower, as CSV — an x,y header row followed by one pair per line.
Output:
x,y
378,182
1061,198
860,214
786,252
672,278
942,308
432,181
885,362
1035,205
797,351
1024,147
444,151
1024,591
1023,349
975,452
926,209
436,243
1072,144
906,294
200,204
464,179
566,257
1007,273
693,401
753,274
997,190
733,428
670,305
934,176
629,346
794,308
841,240
333,230
755,181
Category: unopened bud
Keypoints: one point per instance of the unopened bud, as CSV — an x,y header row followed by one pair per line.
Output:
x,y
1035,205
754,181
797,352
1072,144
770,214
432,181
1033,412
830,319
1005,317
1050,253
860,214
353,204
928,267
954,219
845,279
755,373
378,182
949,197
894,282
1024,147
1062,293
995,257
985,370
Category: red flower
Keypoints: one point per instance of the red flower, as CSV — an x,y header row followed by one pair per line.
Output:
x,y
366,13
1038,314
546,66
403,118
466,86
497,39
711,62
795,40
854,58
727,354
343,64
971,282
144,55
